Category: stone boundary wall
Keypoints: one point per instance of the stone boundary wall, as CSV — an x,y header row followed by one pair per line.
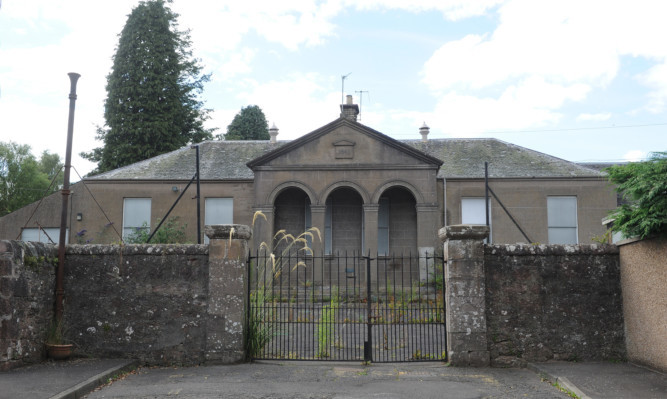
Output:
x,y
560,302
644,281
186,304
160,304
147,302
27,283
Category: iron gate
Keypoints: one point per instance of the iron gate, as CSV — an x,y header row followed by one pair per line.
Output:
x,y
346,307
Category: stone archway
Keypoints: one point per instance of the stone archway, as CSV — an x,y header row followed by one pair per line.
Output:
x,y
291,214
397,222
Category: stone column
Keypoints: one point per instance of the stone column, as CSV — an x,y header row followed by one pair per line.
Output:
x,y
263,229
370,237
227,291
466,294
317,220
370,229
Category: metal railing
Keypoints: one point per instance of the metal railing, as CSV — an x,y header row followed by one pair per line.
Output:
x,y
346,307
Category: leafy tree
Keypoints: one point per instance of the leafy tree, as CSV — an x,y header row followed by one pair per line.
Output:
x,y
249,124
24,179
152,103
644,185
51,165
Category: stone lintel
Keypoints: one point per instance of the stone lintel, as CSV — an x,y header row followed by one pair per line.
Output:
x,y
464,232
223,231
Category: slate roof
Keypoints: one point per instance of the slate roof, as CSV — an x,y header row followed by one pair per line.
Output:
x,y
462,158
218,160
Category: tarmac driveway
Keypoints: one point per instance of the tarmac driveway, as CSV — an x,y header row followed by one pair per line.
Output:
x,y
329,380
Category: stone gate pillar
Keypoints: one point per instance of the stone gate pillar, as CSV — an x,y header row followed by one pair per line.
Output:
x,y
227,291
465,294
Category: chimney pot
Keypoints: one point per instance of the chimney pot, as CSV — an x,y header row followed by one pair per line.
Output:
x,y
273,132
424,130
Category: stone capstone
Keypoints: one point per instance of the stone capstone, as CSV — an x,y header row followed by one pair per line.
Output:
x,y
464,232
223,231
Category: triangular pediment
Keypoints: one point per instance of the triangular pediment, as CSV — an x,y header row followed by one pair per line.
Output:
x,y
345,144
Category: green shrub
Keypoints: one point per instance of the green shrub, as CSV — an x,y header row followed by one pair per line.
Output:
x,y
644,186
171,232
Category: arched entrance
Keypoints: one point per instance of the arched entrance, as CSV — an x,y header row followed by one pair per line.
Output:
x,y
397,223
343,222
291,214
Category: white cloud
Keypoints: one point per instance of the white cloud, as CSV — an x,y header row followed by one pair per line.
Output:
x,y
550,40
635,156
452,9
594,117
557,51
541,57
220,26
237,63
531,102
460,115
656,79
297,104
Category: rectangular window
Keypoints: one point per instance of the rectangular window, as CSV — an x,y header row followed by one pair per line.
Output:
x,y
43,235
472,211
218,211
383,226
136,216
562,220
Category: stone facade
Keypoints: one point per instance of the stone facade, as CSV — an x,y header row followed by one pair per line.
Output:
x,y
344,169
526,200
343,164
644,280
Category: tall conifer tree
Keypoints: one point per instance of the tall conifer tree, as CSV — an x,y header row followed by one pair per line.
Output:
x,y
152,103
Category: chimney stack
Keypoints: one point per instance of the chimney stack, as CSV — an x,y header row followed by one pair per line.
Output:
x,y
424,130
273,132
349,110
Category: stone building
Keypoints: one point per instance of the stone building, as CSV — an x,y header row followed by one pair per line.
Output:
x,y
364,190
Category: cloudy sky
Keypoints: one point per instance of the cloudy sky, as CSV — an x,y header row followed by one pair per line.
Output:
x,y
581,80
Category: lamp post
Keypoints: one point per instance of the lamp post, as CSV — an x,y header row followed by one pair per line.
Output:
x,y
60,292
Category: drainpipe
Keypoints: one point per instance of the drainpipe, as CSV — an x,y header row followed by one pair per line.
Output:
x,y
196,147
60,273
444,201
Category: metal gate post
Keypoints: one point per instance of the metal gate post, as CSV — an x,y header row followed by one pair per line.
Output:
x,y
368,344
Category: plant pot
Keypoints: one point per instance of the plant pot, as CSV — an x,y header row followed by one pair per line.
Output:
x,y
59,352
